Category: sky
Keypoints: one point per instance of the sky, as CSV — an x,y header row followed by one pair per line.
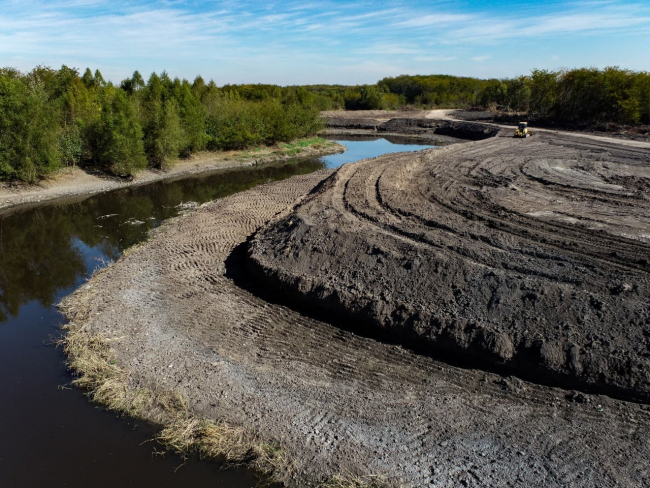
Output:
x,y
326,41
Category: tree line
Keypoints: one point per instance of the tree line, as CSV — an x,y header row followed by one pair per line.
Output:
x,y
589,95
52,118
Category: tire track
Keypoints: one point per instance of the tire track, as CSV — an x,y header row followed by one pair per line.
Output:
x,y
338,402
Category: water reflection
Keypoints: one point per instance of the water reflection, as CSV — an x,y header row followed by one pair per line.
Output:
x,y
46,249
363,147
47,252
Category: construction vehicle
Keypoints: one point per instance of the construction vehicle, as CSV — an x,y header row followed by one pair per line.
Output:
x,y
522,130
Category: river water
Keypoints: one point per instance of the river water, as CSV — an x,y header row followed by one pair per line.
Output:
x,y
50,435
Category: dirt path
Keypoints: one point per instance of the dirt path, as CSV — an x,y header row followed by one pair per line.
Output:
x,y
76,181
440,114
448,114
179,316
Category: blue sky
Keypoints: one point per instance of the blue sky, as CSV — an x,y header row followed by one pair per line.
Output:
x,y
328,41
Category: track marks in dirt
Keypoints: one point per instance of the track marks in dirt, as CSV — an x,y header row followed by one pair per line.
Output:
x,y
337,402
530,255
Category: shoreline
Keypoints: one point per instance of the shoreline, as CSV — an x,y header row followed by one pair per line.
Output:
x,y
73,183
336,401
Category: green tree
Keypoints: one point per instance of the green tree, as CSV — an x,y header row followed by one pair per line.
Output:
x,y
88,78
518,94
543,92
494,93
137,81
193,117
29,130
117,135
99,79
371,97
164,134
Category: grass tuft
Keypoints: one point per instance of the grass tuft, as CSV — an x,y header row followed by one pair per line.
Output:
x,y
93,362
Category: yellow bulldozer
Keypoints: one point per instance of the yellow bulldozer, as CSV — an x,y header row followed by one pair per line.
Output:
x,y
522,131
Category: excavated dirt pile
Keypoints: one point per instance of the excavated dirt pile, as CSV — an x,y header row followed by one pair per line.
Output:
x,y
529,256
415,125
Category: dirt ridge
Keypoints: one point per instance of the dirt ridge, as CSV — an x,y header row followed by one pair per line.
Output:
x,y
415,125
461,252
176,317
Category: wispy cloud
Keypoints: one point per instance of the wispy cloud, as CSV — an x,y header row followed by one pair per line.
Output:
x,y
435,20
238,40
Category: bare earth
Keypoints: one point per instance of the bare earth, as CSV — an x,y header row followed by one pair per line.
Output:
x,y
198,310
73,182
530,256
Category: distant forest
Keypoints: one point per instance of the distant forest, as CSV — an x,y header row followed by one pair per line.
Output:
x,y
53,118
586,94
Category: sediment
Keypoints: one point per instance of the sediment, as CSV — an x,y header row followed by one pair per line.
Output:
x,y
415,126
530,257
525,254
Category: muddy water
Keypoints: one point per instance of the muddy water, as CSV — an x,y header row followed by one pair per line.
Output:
x,y
50,435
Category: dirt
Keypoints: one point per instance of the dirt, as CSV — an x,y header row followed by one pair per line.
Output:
x,y
76,181
373,120
530,256
446,129
639,132
500,118
247,307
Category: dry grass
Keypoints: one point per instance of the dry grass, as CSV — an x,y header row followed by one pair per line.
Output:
x,y
355,482
96,371
186,434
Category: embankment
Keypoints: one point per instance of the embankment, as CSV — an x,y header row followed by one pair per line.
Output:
x,y
77,182
513,238
523,256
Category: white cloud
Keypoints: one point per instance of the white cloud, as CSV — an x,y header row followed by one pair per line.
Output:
x,y
298,40
434,20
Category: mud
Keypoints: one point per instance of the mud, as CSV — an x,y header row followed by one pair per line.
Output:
x,y
441,232
527,257
413,126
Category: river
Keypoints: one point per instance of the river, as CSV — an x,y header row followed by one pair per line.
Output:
x,y
50,434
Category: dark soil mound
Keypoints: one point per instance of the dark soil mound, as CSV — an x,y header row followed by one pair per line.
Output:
x,y
461,130
529,256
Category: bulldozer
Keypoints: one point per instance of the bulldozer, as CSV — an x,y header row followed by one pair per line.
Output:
x,y
522,131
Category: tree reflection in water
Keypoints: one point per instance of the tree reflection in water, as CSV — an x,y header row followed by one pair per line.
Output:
x,y
47,249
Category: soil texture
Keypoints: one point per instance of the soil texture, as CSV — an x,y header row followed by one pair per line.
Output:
x,y
526,256
512,251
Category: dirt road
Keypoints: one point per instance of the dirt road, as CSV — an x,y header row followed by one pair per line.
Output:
x,y
448,114
493,231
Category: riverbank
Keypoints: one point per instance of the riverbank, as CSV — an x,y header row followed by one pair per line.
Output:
x,y
73,182
182,317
